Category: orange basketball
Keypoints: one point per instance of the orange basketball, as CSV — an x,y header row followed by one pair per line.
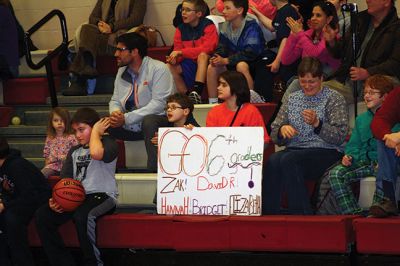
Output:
x,y
68,193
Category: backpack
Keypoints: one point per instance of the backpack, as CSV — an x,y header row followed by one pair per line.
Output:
x,y
325,199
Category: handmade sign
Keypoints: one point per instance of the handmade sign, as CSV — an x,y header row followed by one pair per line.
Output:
x,y
210,171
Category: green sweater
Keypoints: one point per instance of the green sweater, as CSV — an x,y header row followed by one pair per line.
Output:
x,y
362,144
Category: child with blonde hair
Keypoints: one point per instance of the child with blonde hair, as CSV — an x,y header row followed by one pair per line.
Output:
x,y
58,141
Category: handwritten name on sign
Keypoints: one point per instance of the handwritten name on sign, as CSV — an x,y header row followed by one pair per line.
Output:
x,y
210,171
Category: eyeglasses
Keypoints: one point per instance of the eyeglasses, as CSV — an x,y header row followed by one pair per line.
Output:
x,y
121,49
172,108
187,10
371,93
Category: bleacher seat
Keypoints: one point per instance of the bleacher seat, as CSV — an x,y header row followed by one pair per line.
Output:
x,y
378,236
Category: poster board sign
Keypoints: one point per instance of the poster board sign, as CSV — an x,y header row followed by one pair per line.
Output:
x,y
210,171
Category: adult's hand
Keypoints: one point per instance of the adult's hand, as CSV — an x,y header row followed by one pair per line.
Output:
x,y
392,140
310,117
295,26
288,132
274,66
329,34
117,119
358,73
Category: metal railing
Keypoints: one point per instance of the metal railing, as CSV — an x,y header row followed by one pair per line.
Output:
x,y
46,61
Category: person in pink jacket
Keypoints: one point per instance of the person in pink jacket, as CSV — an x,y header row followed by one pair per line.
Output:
x,y
310,43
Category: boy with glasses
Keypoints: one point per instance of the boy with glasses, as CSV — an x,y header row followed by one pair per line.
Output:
x,y
194,41
360,159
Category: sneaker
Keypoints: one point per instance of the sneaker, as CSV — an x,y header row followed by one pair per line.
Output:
x,y
75,89
383,209
195,97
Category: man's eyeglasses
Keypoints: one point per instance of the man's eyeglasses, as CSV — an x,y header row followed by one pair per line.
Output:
x,y
121,49
172,108
187,10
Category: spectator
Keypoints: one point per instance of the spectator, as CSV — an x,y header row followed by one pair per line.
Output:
x,y
92,162
23,189
109,19
311,42
141,88
194,41
270,64
360,159
9,60
388,153
378,38
312,125
59,140
236,110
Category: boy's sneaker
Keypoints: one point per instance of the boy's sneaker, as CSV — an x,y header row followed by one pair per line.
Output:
x,y
195,97
383,209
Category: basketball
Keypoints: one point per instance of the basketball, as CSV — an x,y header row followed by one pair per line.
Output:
x,y
69,194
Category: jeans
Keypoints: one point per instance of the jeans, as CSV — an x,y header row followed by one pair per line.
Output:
x,y
287,170
388,165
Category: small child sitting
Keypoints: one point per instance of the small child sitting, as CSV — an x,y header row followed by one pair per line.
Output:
x,y
58,141
179,112
93,163
360,159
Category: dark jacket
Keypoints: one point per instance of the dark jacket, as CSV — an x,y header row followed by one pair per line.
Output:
x,y
382,53
22,183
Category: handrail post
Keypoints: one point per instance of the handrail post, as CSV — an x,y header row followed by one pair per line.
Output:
x,y
47,60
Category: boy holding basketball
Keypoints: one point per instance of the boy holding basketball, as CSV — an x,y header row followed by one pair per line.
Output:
x,y
23,189
93,163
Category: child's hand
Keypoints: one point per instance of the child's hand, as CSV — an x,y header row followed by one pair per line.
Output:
x,y
101,126
347,160
154,139
54,206
173,57
218,60
397,150
189,126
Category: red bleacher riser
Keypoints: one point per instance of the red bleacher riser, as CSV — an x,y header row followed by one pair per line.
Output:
x,y
378,236
5,115
201,233
125,230
292,233
107,65
27,90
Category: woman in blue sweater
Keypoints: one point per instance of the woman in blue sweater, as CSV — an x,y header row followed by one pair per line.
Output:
x,y
312,124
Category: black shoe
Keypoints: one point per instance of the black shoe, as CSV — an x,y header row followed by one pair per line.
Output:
x,y
383,209
195,97
75,89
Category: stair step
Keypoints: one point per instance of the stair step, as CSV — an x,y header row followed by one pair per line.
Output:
x,y
23,131
28,148
38,162
40,118
92,100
